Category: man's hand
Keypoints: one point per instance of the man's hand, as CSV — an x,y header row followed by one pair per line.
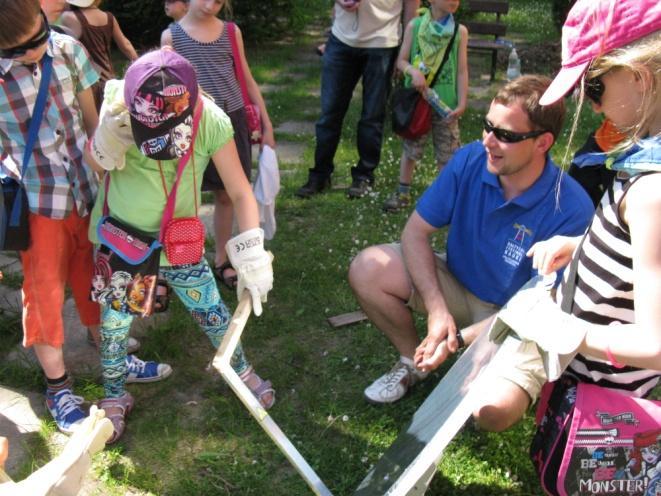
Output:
x,y
441,340
348,5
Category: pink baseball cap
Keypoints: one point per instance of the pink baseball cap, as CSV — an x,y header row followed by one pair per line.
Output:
x,y
595,27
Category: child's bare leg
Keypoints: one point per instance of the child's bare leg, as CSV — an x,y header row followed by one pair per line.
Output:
x,y
222,223
51,360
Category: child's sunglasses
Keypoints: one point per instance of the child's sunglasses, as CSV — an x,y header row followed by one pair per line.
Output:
x,y
506,136
37,40
594,89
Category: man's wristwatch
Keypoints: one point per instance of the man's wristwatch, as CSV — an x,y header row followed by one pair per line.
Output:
x,y
461,344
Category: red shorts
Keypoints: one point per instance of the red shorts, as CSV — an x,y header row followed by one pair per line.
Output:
x,y
60,253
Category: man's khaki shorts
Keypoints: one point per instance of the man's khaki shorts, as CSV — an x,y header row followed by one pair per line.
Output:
x,y
527,369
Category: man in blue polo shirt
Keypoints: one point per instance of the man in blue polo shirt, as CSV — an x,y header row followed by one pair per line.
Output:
x,y
498,197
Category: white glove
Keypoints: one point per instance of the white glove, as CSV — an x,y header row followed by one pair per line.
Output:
x,y
253,266
113,136
532,315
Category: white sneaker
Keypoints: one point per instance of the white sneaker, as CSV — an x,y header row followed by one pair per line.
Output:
x,y
395,384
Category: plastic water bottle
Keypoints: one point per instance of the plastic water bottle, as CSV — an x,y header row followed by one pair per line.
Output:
x,y
436,103
513,65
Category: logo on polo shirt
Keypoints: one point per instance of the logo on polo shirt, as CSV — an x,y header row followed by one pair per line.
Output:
x,y
516,247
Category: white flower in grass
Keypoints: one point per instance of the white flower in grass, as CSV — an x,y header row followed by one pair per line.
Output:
x,y
345,418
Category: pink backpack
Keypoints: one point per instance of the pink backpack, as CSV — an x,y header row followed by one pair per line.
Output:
x,y
593,440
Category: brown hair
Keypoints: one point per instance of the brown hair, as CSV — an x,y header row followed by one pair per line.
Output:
x,y
17,19
527,90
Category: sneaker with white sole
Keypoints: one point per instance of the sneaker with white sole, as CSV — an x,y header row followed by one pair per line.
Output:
x,y
64,406
138,371
395,384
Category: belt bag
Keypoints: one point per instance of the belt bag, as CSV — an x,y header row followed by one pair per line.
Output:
x,y
593,440
126,268
14,216
183,241
411,114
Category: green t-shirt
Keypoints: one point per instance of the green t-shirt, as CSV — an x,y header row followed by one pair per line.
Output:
x,y
446,82
136,195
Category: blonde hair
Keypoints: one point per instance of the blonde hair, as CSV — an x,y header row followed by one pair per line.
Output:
x,y
643,58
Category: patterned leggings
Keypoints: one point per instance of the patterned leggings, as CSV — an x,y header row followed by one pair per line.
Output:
x,y
196,288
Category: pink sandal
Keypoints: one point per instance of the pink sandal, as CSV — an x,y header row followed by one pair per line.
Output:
x,y
117,409
262,388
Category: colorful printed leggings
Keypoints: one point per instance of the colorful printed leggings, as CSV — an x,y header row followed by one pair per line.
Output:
x,y
196,288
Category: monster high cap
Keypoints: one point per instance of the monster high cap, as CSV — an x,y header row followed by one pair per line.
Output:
x,y
160,91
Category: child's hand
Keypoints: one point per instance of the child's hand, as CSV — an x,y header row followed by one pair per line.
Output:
x,y
553,254
268,137
418,80
455,114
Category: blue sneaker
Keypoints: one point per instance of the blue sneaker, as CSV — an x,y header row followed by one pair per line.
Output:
x,y
64,406
140,371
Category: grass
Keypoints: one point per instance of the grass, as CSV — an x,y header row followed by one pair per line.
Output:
x,y
190,435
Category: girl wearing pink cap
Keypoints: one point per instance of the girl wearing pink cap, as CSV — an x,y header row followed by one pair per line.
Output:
x,y
612,54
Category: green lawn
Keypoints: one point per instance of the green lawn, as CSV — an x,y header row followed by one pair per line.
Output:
x,y
190,435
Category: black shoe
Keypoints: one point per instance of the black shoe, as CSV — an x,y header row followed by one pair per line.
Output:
x,y
359,188
313,187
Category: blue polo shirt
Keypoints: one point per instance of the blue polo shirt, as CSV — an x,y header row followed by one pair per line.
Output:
x,y
488,236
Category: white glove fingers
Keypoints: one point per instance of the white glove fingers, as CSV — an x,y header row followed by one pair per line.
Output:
x,y
256,301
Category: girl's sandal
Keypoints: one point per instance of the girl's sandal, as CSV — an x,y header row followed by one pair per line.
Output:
x,y
117,409
228,281
260,388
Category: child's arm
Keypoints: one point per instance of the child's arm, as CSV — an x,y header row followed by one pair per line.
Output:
x,y
237,185
70,22
88,109
462,74
417,78
123,42
410,8
166,39
255,95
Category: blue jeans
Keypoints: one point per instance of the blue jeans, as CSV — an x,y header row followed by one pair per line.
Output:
x,y
343,67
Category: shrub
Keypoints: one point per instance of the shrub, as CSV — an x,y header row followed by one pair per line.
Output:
x,y
143,20
560,9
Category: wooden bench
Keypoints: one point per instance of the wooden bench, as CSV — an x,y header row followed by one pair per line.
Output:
x,y
487,36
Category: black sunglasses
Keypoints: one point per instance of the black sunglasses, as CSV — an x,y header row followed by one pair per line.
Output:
x,y
509,136
37,40
594,89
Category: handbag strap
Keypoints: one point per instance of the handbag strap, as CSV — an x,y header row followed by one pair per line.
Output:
x,y
238,66
567,303
169,206
172,197
38,112
33,132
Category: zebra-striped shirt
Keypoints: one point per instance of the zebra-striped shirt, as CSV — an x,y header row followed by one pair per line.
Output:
x,y
605,293
214,65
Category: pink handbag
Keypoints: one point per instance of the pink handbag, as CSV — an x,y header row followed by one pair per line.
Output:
x,y
594,440
253,115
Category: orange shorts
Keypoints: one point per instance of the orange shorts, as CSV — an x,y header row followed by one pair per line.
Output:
x,y
60,253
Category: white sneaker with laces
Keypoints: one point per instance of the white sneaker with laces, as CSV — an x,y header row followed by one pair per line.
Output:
x,y
395,384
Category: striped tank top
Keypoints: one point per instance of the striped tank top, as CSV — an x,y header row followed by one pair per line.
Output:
x,y
604,291
214,65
